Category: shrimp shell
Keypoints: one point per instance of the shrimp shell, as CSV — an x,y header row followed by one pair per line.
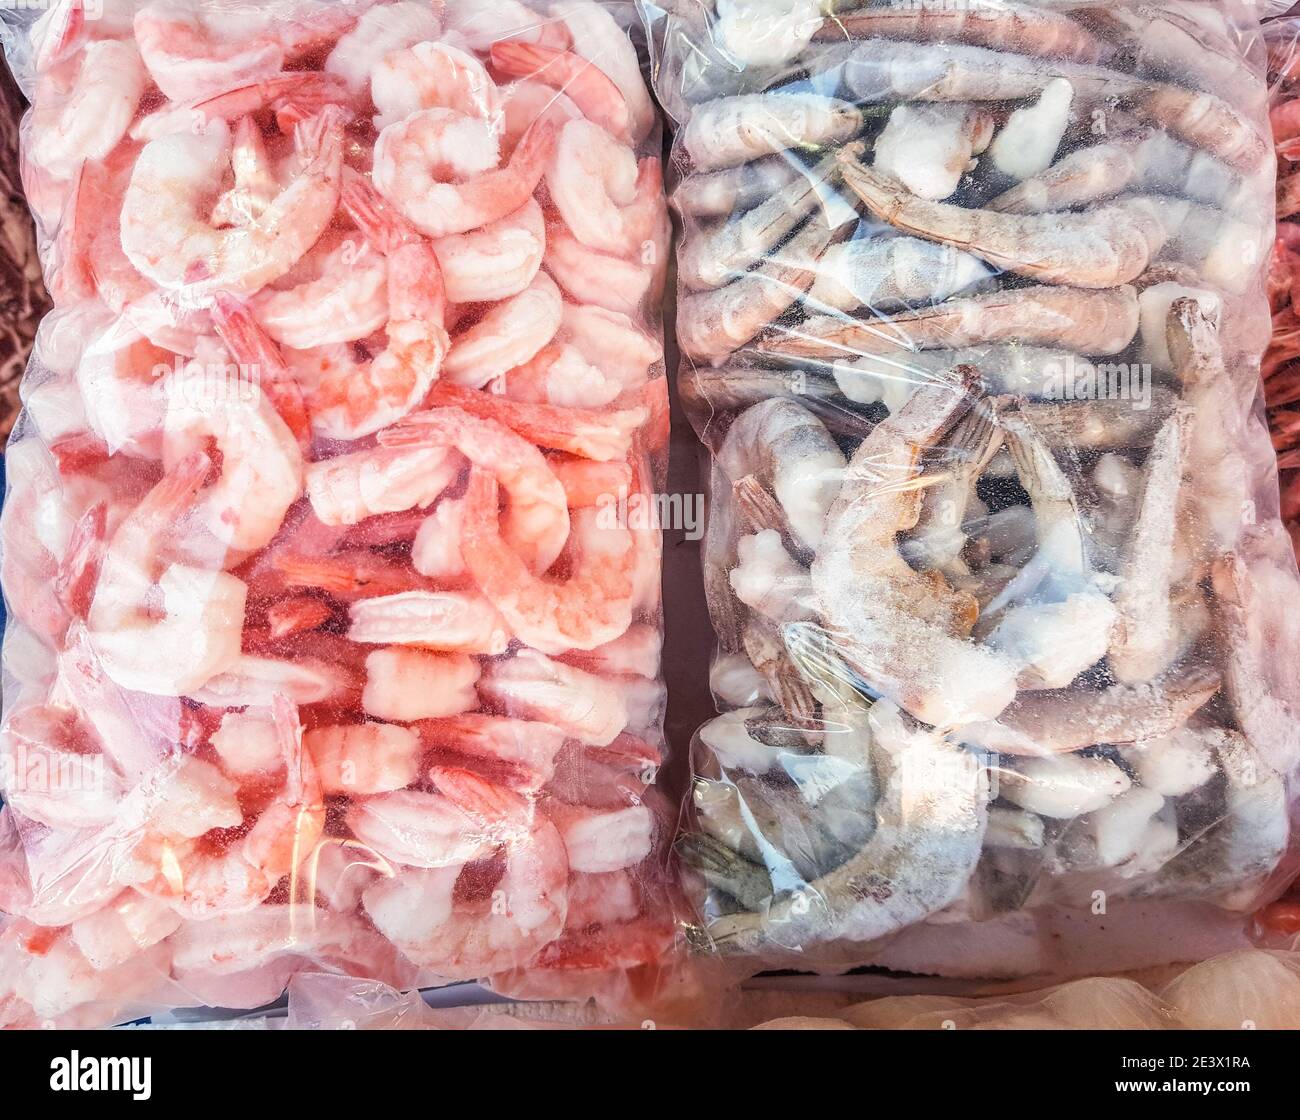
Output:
x,y
735,130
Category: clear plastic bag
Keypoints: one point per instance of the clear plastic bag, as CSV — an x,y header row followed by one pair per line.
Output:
x,y
1281,375
972,306
330,645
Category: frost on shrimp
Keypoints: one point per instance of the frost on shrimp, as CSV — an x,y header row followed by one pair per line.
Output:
x,y
169,238
379,31
431,75
197,634
735,130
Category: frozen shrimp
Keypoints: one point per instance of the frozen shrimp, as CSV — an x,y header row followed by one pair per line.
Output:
x,y
903,630
261,471
202,882
891,272
1021,29
559,375
448,621
591,277
1060,722
199,626
166,236
930,148
349,398
431,75
508,335
1143,159
405,685
712,258
598,38
580,80
90,109
719,194
591,433
1076,319
591,607
380,31
781,445
926,843
337,293
1145,630
191,48
735,130
495,262
537,521
713,324
350,489
607,199
440,168
532,686
459,937
1102,248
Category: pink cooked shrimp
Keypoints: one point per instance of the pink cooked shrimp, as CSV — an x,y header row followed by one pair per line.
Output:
x,y
584,83
349,398
589,608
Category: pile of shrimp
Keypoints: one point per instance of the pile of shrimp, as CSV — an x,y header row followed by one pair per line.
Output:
x,y
972,299
1281,370
333,643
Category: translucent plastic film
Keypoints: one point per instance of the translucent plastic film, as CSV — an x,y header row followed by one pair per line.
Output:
x,y
331,644
972,305
1281,373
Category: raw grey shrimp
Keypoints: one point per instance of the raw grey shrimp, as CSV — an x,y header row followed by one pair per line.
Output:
x,y
1082,320
167,237
904,631
885,273
786,449
927,854
735,130
1063,721
1021,29
712,258
1106,247
719,194
1144,159
1146,628
930,148
715,323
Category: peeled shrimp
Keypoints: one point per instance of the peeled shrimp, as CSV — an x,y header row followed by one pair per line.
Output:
x,y
349,489
431,75
495,262
579,79
348,398
85,120
197,634
440,168
380,31
448,621
591,607
598,38
510,334
608,201
532,686
425,917
168,238
191,47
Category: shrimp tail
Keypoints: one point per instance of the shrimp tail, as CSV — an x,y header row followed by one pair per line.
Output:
x,y
585,83
254,350
378,220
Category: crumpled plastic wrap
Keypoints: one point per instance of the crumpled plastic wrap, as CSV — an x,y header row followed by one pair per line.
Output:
x,y
972,305
334,610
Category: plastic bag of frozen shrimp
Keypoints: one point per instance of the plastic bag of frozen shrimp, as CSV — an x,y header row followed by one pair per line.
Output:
x,y
972,308
328,647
